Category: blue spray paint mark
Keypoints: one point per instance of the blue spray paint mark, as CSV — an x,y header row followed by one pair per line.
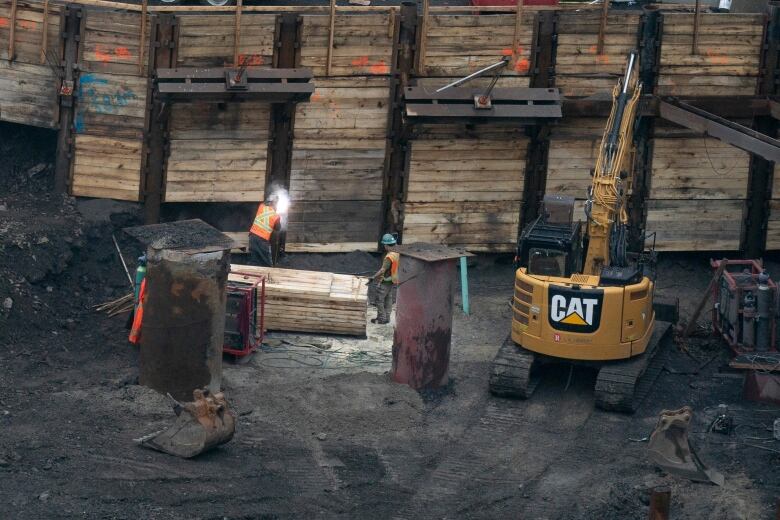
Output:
x,y
99,102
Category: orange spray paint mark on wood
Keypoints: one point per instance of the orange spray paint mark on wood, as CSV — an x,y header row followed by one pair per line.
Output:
x,y
603,59
102,54
26,24
122,52
380,68
315,97
522,65
360,62
3,22
716,58
250,60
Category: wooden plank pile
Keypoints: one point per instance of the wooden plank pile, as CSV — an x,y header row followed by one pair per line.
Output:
x,y
580,70
217,153
28,85
309,301
466,190
110,113
337,164
726,60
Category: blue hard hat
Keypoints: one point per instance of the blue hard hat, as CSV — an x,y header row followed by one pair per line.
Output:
x,y
388,239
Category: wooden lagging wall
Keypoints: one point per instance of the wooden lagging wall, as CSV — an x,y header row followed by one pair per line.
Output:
x,y
465,188
574,147
697,196
579,68
337,164
339,136
219,152
727,60
773,225
110,114
458,45
209,40
362,45
28,84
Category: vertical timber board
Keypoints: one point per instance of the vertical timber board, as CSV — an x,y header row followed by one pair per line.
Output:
x,y
761,173
70,24
648,67
162,54
396,159
542,76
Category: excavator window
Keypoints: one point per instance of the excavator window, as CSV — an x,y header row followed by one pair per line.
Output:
x,y
546,262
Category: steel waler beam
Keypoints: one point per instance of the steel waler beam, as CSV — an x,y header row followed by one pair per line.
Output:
x,y
70,25
163,36
280,147
397,149
761,171
542,76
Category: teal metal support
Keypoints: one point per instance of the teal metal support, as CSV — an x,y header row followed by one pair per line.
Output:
x,y
464,285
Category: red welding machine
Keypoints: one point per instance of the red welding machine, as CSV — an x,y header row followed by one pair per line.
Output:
x,y
243,308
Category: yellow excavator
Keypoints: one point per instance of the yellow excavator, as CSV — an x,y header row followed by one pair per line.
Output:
x,y
581,298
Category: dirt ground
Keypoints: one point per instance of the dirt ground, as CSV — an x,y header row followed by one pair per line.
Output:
x,y
323,432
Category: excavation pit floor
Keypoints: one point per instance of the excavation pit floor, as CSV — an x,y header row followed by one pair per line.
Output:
x,y
323,432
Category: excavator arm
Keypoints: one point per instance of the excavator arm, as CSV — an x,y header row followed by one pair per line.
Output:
x,y
606,204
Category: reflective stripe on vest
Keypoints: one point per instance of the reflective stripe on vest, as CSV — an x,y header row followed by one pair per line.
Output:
x,y
264,222
394,259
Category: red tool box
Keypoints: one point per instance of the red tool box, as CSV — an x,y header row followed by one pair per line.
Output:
x,y
242,332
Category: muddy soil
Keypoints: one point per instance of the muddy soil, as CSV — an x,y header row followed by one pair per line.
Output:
x,y
319,438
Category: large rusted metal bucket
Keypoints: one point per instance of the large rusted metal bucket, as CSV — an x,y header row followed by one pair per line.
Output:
x,y
423,329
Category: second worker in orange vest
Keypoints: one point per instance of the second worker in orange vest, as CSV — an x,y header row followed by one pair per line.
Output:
x,y
264,228
386,278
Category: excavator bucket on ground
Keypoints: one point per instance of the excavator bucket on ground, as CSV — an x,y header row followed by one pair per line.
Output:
x,y
669,448
201,425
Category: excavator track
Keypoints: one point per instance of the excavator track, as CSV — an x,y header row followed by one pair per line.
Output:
x,y
512,372
623,385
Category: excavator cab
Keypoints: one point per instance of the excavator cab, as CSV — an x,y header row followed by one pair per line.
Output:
x,y
552,244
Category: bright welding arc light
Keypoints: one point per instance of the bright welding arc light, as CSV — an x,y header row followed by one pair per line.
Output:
x,y
283,202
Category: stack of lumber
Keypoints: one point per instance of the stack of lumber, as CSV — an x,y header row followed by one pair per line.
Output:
x,y
309,301
28,85
209,40
698,187
465,190
362,45
110,110
579,68
217,153
457,45
337,163
727,61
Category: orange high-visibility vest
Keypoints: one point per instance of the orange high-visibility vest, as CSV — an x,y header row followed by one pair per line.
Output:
x,y
265,222
394,259
138,318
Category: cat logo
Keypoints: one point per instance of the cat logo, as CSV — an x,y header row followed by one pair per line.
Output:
x,y
575,310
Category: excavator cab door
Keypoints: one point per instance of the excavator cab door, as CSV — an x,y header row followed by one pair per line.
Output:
x,y
551,245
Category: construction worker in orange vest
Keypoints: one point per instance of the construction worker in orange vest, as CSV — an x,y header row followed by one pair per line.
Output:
x,y
386,278
266,225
